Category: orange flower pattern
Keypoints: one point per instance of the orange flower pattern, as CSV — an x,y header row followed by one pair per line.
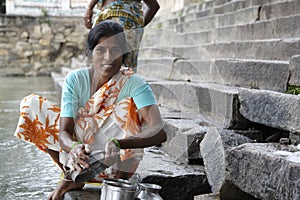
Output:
x,y
103,106
39,122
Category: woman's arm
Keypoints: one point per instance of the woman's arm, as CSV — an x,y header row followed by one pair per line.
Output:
x,y
77,151
152,7
87,18
152,135
66,132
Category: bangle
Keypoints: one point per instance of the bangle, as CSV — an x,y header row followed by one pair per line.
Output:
x,y
75,144
114,140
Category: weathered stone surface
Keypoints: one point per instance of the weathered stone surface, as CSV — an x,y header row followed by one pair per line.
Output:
x,y
207,197
213,154
213,150
270,108
268,75
295,138
279,9
216,103
184,136
51,41
295,70
285,27
270,49
178,181
160,68
265,171
232,192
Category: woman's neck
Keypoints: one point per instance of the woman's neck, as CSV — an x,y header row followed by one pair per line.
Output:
x,y
96,80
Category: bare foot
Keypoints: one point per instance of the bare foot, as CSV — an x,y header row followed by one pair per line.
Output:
x,y
64,187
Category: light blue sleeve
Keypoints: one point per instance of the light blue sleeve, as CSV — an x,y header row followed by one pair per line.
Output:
x,y
139,90
75,92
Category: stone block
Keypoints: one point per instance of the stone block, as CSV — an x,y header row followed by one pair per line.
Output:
x,y
184,136
275,49
214,158
206,23
265,171
284,27
216,103
295,138
178,181
285,8
295,70
159,67
193,70
268,75
274,109
244,16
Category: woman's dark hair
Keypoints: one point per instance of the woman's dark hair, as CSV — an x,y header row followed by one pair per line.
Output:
x,y
107,28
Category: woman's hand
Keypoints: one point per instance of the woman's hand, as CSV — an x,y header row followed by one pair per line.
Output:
x,y
87,18
78,157
112,153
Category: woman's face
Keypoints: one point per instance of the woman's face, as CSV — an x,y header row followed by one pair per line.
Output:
x,y
107,56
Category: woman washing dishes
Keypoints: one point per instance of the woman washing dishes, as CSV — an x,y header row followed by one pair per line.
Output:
x,y
104,107
129,14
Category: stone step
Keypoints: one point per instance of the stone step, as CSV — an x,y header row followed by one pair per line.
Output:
x,y
285,27
271,49
210,196
229,107
204,9
216,103
270,75
164,37
271,108
184,136
244,16
266,171
178,181
295,70
280,9
237,14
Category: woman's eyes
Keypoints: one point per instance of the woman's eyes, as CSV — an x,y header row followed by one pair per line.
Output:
x,y
100,50
114,50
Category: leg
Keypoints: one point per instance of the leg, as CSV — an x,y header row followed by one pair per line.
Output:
x,y
62,188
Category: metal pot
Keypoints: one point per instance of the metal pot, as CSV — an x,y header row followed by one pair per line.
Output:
x,y
117,189
148,191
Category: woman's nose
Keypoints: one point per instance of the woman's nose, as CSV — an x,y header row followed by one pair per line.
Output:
x,y
107,54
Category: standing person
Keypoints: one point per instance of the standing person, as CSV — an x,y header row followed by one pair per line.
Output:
x,y
130,15
103,108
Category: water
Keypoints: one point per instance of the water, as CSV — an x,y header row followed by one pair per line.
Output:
x,y
25,172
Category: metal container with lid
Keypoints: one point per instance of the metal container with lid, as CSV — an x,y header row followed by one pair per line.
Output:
x,y
148,191
117,189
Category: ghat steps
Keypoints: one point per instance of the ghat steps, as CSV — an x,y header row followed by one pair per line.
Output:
x,y
224,64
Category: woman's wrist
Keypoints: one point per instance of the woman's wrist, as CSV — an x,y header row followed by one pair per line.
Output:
x,y
75,144
114,140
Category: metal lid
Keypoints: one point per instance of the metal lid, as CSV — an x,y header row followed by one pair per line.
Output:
x,y
95,168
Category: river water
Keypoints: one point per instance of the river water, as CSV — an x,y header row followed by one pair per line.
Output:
x,y
25,172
